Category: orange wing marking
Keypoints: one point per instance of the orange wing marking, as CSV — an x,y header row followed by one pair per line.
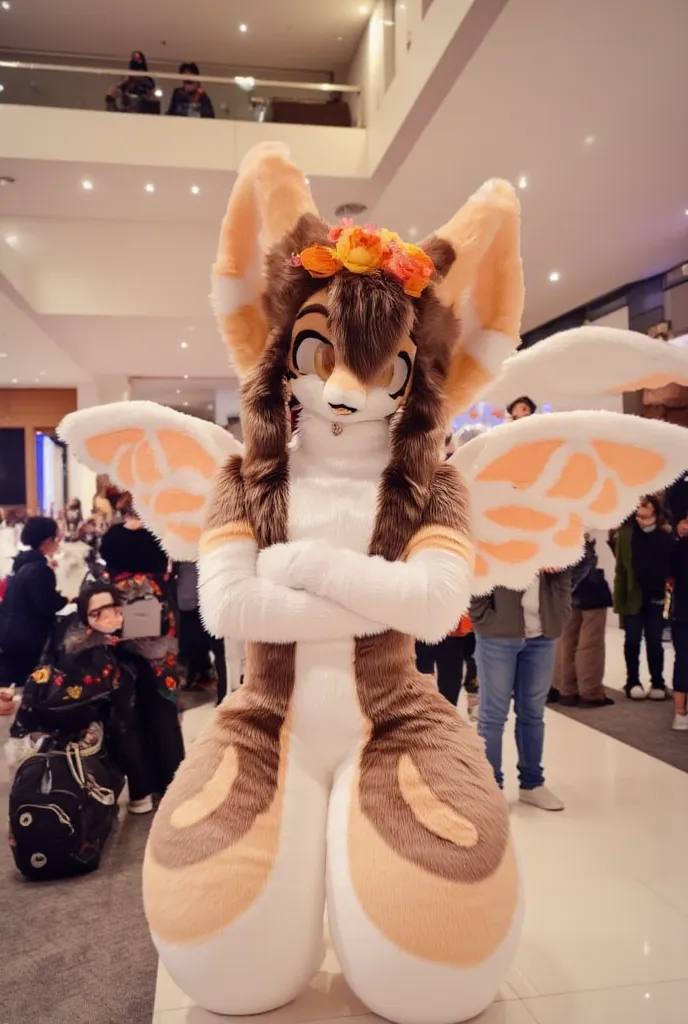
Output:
x,y
634,466
145,464
607,500
577,478
183,452
124,468
174,500
517,517
481,566
512,552
522,465
104,447
571,534
187,532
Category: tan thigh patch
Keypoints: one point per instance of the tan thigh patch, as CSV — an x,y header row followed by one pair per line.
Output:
x,y
432,918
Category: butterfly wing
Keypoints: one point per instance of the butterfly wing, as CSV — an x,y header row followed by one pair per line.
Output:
x,y
538,483
167,460
585,362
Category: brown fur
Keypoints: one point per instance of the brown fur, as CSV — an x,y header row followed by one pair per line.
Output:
x,y
369,316
442,254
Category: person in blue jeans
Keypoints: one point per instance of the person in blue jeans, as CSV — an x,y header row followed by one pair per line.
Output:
x,y
516,633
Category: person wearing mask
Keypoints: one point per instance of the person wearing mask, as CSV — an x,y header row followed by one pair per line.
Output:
x,y
31,602
138,567
643,550
190,98
516,634
679,624
135,94
521,407
581,648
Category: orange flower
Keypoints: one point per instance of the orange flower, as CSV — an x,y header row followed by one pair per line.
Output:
x,y
412,267
362,250
320,261
170,683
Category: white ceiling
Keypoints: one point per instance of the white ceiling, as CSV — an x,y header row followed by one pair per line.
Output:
x,y
296,34
583,98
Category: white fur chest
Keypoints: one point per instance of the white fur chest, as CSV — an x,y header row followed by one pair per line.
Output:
x,y
334,485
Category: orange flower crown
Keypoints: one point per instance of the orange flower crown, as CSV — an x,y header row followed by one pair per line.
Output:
x,y
367,250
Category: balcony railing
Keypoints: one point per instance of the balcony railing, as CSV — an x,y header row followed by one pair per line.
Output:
x,y
239,98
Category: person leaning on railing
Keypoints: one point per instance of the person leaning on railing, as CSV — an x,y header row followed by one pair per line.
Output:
x,y
190,98
135,94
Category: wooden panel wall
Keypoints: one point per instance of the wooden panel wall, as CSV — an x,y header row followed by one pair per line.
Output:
x,y
34,409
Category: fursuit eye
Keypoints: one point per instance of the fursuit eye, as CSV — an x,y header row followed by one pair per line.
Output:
x,y
313,354
401,371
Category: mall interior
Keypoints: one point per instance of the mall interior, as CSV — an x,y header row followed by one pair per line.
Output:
x,y
351,827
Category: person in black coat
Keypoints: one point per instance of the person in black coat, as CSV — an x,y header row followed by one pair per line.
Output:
x,y
679,624
190,99
31,602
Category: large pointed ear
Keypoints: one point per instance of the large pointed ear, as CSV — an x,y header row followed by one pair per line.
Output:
x,y
268,199
483,286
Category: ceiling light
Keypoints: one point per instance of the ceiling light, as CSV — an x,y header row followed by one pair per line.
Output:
x,y
555,276
191,327
12,240
158,93
363,9
195,190
340,39
3,355
5,179
6,5
150,187
589,139
185,403
307,180
243,27
35,380
413,232
42,373
523,181
686,212
210,406
2,87
185,344
186,376
87,185
14,380
179,391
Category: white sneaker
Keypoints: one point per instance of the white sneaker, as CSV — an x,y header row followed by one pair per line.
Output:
x,y
636,692
680,723
657,693
142,806
541,797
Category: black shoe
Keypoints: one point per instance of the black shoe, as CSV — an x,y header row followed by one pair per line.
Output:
x,y
571,701
553,696
600,702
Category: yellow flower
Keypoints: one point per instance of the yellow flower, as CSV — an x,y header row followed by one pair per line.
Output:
x,y
41,675
74,692
361,251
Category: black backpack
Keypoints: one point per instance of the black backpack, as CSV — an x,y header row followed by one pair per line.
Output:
x,y
63,805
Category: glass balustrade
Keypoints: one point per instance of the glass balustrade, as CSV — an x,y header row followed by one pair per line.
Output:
x,y
241,98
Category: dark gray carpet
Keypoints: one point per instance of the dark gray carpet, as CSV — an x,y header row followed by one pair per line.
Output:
x,y
645,725
78,951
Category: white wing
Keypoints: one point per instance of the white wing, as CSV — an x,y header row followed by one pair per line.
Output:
x,y
165,458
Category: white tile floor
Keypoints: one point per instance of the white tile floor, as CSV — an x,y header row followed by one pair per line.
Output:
x,y
606,932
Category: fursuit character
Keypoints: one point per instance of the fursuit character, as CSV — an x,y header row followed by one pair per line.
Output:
x,y
337,774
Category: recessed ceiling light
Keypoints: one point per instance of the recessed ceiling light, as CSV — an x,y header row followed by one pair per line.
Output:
x,y
5,179
12,240
185,344
2,87
158,93
307,180
150,187
210,406
195,190
3,355
243,27
42,373
686,212
590,139
555,276
14,380
6,5
413,232
35,380
362,9
191,327
179,391
87,185
340,39
185,403
523,181
186,376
